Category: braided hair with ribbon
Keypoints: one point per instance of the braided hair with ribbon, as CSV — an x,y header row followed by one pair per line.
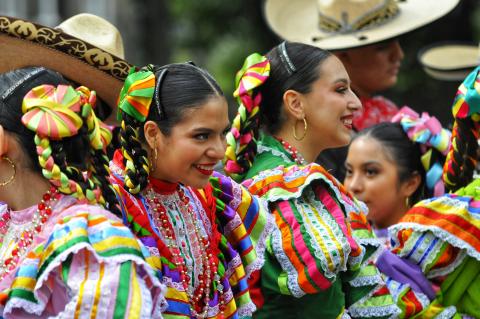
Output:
x,y
55,114
434,142
462,157
260,85
160,94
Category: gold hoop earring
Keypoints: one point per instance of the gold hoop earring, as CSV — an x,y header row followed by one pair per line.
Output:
x,y
305,126
4,157
153,163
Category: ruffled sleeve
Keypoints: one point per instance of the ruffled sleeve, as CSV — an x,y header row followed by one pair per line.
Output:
x,y
91,266
322,237
441,237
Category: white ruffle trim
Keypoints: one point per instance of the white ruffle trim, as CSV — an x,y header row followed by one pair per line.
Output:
x,y
39,308
356,310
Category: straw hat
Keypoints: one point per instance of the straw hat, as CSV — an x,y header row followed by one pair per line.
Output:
x,y
450,61
97,64
343,24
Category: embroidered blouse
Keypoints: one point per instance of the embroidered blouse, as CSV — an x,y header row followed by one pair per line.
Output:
x,y
83,264
434,263
223,208
319,256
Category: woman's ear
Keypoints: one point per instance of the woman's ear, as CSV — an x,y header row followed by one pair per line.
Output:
x,y
152,133
411,185
294,105
3,141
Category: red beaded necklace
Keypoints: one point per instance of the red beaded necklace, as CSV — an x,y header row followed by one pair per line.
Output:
x,y
198,297
25,238
294,153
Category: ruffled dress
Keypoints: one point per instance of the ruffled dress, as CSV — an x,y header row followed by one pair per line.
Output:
x,y
434,262
318,262
224,209
84,263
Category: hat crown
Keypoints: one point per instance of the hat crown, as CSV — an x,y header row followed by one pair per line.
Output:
x,y
353,15
96,31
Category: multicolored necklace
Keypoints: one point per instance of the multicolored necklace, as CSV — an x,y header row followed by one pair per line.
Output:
x,y
198,297
24,239
294,153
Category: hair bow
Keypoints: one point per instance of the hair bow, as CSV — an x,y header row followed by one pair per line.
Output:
x,y
137,94
427,131
467,99
51,111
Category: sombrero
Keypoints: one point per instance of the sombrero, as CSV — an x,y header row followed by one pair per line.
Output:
x,y
450,61
97,64
343,24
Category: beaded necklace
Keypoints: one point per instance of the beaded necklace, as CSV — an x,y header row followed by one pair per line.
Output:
x,y
198,297
24,239
294,153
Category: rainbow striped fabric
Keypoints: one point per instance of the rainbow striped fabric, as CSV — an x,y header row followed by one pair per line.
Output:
x,y
89,265
243,223
322,241
442,236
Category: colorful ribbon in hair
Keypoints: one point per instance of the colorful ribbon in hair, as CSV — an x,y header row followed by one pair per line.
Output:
x,y
137,94
467,100
427,131
99,133
51,111
254,73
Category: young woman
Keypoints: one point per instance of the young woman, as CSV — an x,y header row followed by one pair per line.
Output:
x,y
434,262
206,233
295,102
392,166
61,254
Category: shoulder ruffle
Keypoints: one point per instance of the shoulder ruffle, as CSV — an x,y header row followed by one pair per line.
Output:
x,y
94,256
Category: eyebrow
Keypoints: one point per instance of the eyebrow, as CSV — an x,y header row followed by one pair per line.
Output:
x,y
207,129
342,80
365,164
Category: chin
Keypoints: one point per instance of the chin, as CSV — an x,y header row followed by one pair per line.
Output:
x,y
197,183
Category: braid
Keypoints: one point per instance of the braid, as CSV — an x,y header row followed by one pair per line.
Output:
x,y
101,171
135,157
242,138
462,157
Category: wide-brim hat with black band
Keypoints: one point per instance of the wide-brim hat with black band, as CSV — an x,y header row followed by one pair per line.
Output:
x,y
449,61
344,24
86,49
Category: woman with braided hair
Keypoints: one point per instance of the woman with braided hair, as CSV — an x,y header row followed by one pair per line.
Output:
x,y
434,261
206,233
393,165
295,102
62,255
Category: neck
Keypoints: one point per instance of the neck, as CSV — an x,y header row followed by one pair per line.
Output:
x,y
305,148
26,190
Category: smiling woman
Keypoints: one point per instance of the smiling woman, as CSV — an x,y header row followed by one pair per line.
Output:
x,y
206,233
295,102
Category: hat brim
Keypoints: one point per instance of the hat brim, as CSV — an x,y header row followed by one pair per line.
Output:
x,y
27,44
297,21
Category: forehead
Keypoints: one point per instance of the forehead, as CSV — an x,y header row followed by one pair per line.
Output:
x,y
213,111
368,149
332,69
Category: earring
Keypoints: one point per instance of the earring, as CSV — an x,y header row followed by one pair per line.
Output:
x,y
305,126
6,158
153,163
407,202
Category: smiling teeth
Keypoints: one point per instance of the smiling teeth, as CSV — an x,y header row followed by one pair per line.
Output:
x,y
207,168
348,122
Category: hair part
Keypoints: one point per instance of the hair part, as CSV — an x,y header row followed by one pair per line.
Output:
x,y
400,150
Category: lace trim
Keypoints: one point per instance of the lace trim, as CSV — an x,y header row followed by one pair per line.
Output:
x,y
398,289
447,313
366,281
356,309
261,148
284,261
442,234
262,240
232,225
449,268
39,307
246,310
237,195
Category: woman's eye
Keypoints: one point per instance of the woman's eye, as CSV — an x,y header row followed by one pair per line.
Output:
x,y
342,90
201,137
371,172
348,172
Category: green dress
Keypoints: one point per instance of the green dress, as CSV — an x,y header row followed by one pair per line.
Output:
x,y
318,261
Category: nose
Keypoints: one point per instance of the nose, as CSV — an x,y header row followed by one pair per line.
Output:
x,y
397,53
354,184
354,103
217,149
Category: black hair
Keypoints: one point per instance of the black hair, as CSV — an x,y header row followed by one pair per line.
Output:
x,y
178,87
293,66
306,60
405,153
71,153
